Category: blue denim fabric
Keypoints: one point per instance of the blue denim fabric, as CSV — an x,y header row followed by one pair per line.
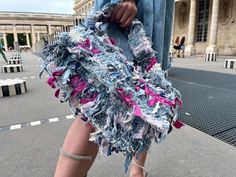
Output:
x,y
84,64
156,16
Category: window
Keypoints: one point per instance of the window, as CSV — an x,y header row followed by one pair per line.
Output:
x,y
203,14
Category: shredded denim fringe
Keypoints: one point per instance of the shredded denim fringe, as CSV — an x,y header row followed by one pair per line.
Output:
x,y
128,103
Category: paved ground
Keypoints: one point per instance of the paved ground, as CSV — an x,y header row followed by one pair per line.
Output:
x,y
209,94
198,63
31,151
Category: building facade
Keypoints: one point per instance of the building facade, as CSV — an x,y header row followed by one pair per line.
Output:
x,y
81,8
28,28
209,26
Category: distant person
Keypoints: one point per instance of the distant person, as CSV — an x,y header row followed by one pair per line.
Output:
x,y
176,41
2,49
180,47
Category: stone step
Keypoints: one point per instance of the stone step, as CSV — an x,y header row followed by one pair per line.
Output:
x,y
12,68
12,87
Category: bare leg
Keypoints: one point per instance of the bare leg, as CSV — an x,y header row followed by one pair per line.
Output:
x,y
77,143
136,170
178,53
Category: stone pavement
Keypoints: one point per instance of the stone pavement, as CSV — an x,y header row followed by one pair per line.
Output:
x,y
32,151
198,63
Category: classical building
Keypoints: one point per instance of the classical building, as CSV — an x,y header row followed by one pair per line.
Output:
x,y
81,8
207,25
27,28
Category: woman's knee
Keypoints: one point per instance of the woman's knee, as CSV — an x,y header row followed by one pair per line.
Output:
x,y
77,139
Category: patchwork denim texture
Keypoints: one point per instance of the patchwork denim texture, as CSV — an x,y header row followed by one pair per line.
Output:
x,y
129,103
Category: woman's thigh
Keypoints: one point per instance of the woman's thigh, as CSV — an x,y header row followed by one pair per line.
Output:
x,y
77,143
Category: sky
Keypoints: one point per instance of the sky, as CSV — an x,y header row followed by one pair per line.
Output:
x,y
46,6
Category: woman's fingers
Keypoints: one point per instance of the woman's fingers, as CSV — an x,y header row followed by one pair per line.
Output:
x,y
124,13
127,23
119,15
114,13
125,17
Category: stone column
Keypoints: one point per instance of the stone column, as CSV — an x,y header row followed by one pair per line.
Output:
x,y
5,41
191,28
15,34
49,29
33,37
15,43
65,28
38,36
27,39
212,48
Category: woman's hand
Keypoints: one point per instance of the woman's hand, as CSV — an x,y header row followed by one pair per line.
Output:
x,y
124,13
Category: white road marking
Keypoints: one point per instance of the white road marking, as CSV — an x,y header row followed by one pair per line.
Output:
x,y
14,127
32,77
70,117
53,119
35,123
24,77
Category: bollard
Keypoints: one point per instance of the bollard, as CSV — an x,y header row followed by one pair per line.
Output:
x,y
12,68
210,57
230,63
12,87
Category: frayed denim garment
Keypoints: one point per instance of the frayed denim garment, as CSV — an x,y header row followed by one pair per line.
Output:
x,y
129,103
156,17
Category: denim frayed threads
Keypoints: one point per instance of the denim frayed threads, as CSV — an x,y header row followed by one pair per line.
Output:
x,y
128,104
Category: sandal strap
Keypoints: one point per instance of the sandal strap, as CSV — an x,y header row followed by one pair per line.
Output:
x,y
73,156
142,167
